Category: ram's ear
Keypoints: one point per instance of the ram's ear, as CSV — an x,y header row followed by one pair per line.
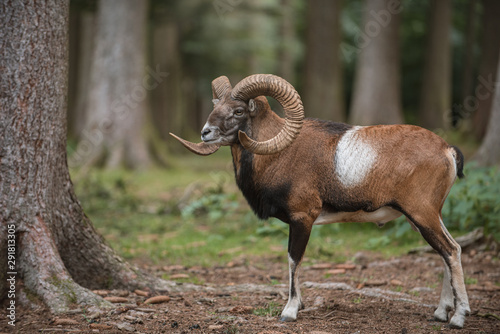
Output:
x,y
253,107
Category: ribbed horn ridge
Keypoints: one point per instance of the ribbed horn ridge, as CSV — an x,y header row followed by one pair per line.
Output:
x,y
220,87
198,148
283,92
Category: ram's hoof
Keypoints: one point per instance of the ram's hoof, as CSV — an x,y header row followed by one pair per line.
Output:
x,y
287,319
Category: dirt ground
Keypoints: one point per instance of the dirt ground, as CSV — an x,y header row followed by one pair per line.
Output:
x,y
370,295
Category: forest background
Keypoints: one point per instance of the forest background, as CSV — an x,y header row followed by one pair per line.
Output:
x,y
139,70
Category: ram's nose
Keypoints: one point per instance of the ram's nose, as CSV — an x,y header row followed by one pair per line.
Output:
x,y
208,133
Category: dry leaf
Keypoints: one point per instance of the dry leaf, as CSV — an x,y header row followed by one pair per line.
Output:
x,y
116,299
64,321
336,271
346,266
100,326
157,300
179,276
320,266
141,293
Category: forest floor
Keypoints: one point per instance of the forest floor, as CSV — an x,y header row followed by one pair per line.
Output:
x,y
371,294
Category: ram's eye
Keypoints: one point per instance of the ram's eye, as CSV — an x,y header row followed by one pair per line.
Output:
x,y
238,112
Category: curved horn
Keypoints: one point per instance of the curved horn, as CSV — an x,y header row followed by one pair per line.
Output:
x,y
286,95
220,87
200,148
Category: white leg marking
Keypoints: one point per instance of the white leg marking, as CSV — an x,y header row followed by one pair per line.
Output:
x,y
446,303
454,294
458,284
354,158
294,298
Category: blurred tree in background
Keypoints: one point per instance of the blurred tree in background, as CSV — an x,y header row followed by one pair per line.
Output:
x,y
377,88
431,63
435,93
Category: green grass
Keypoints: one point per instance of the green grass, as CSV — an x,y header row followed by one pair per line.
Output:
x,y
272,309
193,214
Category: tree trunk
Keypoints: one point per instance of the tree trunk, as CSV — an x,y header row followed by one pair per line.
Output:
x,y
168,98
119,85
287,34
489,151
469,45
377,92
58,254
323,89
435,93
487,69
85,40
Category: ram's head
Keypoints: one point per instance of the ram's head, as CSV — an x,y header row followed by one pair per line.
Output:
x,y
234,109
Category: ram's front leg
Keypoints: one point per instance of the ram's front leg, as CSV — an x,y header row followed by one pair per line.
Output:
x,y
300,231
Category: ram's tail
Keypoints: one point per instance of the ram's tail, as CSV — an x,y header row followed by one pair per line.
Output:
x,y
459,160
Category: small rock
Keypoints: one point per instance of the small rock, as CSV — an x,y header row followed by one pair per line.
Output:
x,y
215,327
206,301
319,301
94,315
145,310
125,326
157,300
64,322
222,310
116,300
195,326
421,289
120,293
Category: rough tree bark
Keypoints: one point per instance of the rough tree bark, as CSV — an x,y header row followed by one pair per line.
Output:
x,y
435,93
59,255
489,151
323,90
377,92
86,39
117,100
487,70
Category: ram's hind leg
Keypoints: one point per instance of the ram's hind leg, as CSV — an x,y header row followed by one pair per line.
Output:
x,y
453,294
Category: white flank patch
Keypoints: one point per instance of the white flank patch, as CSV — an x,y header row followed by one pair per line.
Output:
x,y
354,158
